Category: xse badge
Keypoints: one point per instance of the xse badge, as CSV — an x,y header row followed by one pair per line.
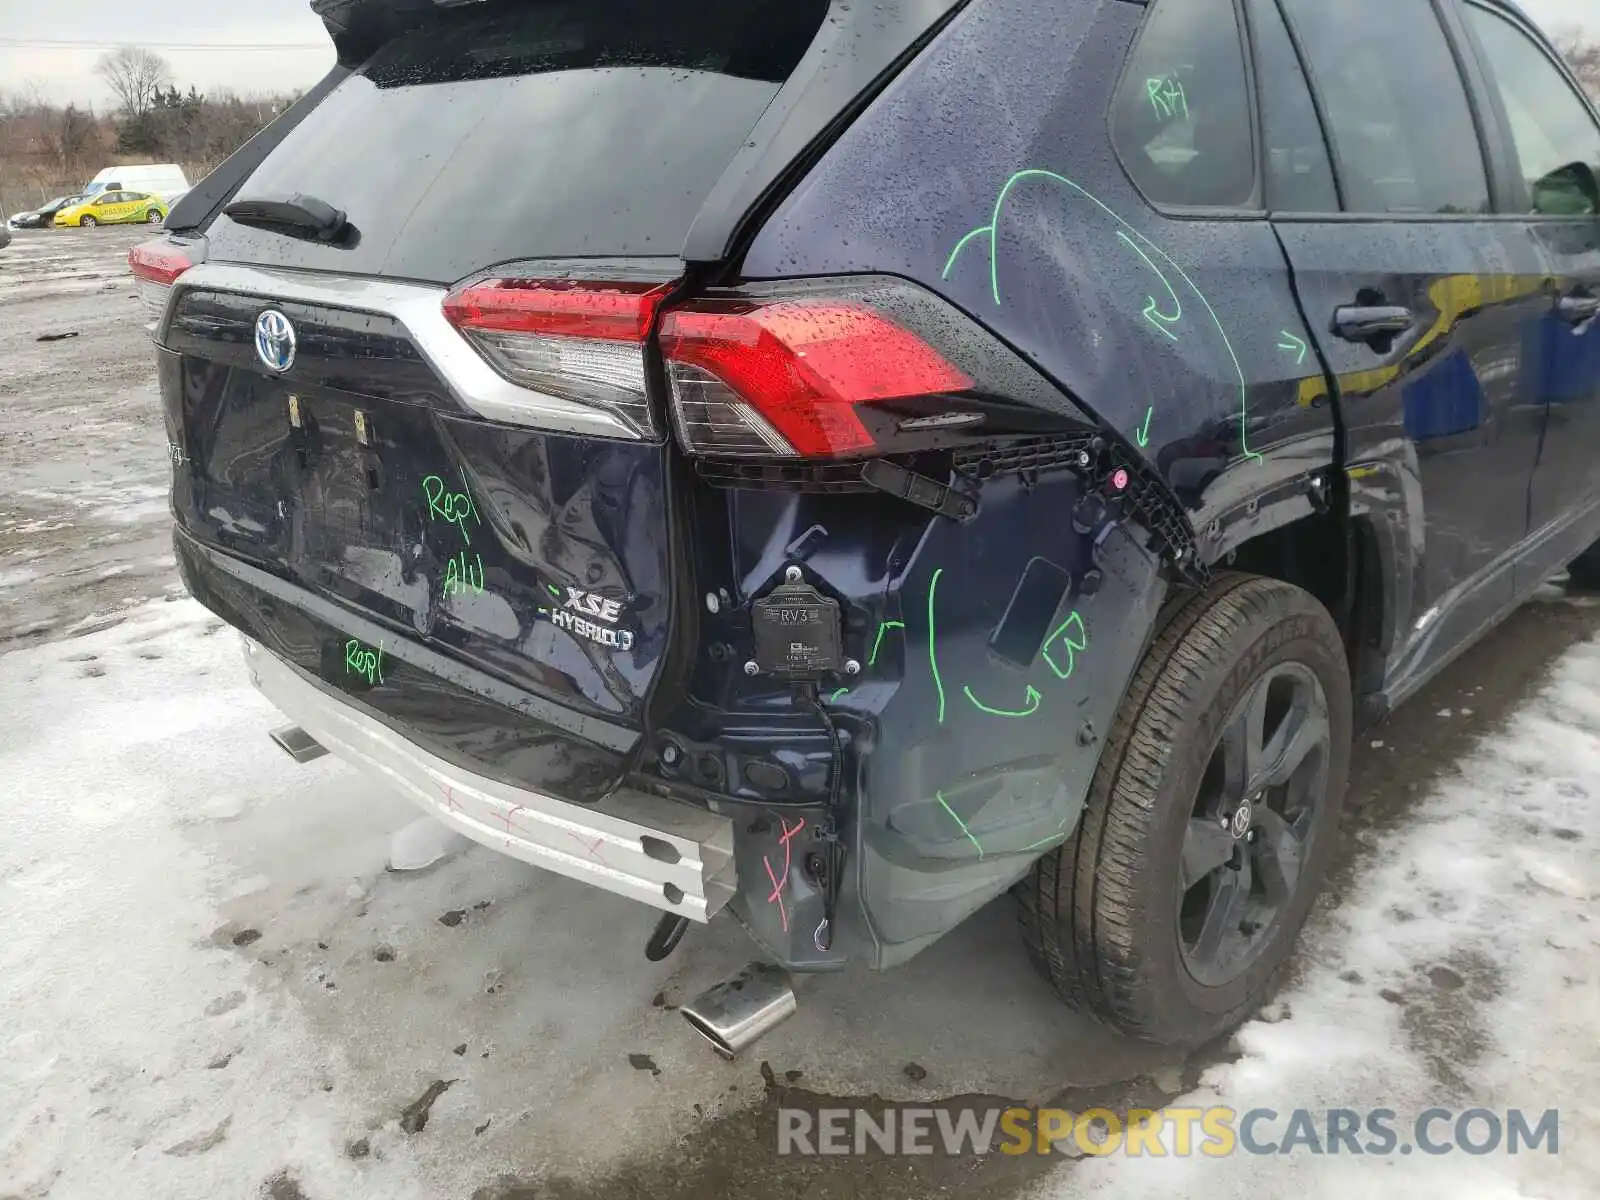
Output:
x,y
592,617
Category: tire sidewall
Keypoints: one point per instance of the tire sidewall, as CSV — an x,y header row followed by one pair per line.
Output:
x,y
1191,1011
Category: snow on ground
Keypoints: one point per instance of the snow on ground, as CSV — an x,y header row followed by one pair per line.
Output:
x,y
132,1042
1461,969
209,981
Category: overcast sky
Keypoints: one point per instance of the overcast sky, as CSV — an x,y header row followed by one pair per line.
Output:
x,y
66,72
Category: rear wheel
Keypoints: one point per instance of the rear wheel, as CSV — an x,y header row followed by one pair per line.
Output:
x,y
87,223
154,217
1210,821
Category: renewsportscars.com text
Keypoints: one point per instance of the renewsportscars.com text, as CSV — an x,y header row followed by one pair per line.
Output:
x,y
1159,1133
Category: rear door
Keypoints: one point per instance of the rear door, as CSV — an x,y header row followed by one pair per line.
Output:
x,y
107,207
437,416
1551,135
1422,303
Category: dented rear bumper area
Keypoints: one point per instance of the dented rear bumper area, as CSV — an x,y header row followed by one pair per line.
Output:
x,y
663,853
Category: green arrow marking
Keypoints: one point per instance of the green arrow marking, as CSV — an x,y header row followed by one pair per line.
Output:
x,y
1031,696
1293,345
1143,435
1081,642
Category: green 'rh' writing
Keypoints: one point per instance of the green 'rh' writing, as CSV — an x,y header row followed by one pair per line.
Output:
x,y
1167,97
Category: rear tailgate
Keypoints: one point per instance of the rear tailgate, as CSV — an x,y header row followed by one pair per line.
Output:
x,y
463,516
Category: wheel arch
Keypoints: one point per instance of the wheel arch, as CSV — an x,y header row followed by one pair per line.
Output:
x,y
1357,553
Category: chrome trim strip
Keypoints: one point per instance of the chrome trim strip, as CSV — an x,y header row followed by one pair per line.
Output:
x,y
416,306
601,844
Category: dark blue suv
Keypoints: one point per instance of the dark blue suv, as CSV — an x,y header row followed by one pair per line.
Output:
x,y
835,463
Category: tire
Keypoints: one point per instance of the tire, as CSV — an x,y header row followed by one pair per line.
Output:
x,y
87,222
154,217
1584,571
1107,918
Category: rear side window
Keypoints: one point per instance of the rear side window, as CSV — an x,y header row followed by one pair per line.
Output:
x,y
1396,106
1182,113
1299,175
504,130
1551,125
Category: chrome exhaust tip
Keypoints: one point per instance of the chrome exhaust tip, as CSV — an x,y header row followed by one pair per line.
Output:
x,y
297,743
737,1011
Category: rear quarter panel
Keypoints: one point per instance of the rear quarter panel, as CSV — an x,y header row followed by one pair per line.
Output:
x,y
985,174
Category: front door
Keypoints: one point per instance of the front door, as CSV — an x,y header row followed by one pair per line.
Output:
x,y
1421,303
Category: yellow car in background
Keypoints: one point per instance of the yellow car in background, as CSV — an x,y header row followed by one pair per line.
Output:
x,y
114,208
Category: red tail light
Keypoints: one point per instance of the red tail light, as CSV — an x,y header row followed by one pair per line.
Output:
x,y
156,267
583,341
785,378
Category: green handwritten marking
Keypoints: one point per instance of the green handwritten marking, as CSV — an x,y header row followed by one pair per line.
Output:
x,y
1031,698
1293,345
1152,88
965,831
1082,643
1167,97
1143,435
454,507
883,627
362,661
553,590
933,650
1045,841
837,694
994,272
1152,308
460,575
466,490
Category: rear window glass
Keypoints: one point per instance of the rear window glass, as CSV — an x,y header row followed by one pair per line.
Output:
x,y
512,130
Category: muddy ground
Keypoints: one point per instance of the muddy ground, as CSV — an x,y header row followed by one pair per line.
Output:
x,y
84,542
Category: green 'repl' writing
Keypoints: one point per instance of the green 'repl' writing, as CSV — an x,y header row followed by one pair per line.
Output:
x,y
463,574
454,507
362,660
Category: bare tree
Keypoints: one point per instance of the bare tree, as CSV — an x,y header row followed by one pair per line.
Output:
x,y
1583,55
72,136
135,77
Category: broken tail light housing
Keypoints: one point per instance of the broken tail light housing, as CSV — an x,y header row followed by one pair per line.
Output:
x,y
582,341
156,266
785,377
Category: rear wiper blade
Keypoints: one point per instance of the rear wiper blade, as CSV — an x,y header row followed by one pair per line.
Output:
x,y
298,215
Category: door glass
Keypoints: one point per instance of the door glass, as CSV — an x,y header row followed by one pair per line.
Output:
x,y
1182,116
1395,104
1551,124
1299,176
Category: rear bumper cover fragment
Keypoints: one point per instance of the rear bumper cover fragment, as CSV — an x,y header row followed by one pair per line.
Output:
x,y
664,853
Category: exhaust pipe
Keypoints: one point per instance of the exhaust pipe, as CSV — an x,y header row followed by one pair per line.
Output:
x,y
297,743
737,1011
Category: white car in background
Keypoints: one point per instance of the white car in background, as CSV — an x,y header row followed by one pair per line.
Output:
x,y
165,180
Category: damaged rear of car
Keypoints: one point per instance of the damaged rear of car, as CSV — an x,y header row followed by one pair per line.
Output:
x,y
625,427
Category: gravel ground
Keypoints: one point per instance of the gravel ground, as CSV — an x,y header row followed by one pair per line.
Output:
x,y
84,526
591,1085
